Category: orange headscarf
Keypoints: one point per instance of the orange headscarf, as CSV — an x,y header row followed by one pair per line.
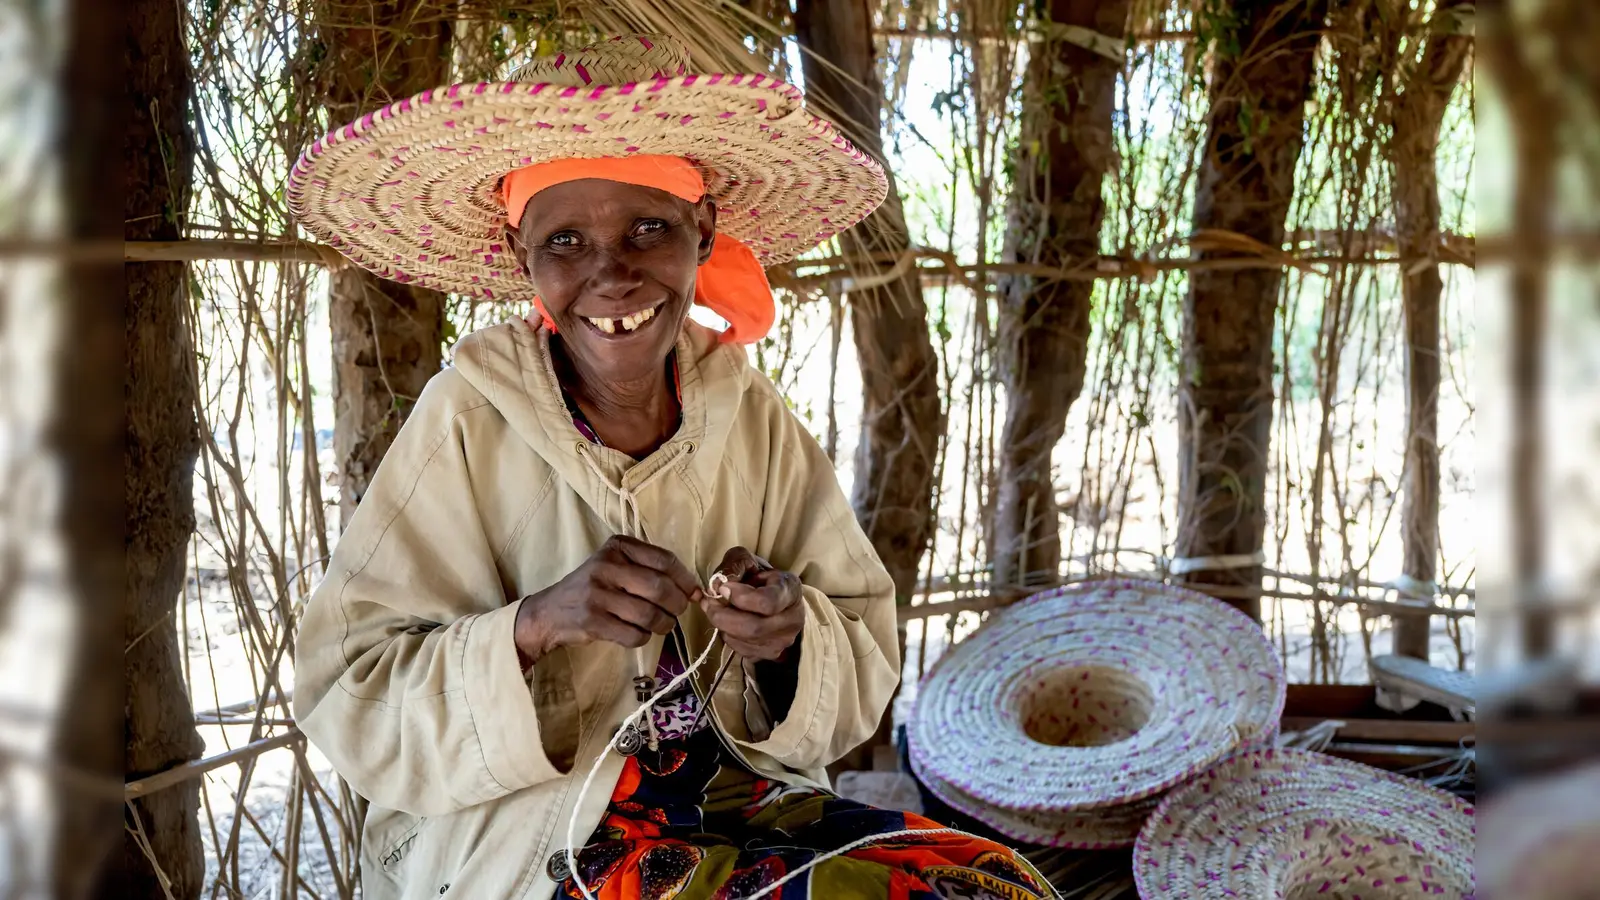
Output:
x,y
731,283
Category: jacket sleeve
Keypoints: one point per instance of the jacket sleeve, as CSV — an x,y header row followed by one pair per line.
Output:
x,y
407,675
849,661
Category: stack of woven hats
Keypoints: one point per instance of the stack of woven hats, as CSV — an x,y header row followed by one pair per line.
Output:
x,y
1066,718
1128,713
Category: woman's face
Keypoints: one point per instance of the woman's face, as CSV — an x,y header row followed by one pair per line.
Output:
x,y
615,266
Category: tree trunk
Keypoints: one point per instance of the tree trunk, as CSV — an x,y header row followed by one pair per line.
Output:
x,y
1413,154
1264,57
387,342
387,337
902,418
1064,152
62,550
162,444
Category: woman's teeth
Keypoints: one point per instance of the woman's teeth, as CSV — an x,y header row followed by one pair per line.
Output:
x,y
626,323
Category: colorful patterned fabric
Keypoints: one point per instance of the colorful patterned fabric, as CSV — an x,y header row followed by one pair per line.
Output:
x,y
689,822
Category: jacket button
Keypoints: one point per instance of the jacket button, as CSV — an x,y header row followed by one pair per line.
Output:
x,y
630,742
557,868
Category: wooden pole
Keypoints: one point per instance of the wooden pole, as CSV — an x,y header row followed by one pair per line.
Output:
x,y
1452,249
387,337
1413,155
902,417
1534,117
1066,149
189,771
162,444
1260,81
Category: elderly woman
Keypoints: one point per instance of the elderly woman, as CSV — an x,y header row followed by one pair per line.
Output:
x,y
518,641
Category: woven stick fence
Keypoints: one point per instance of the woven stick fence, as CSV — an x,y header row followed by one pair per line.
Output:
x,y
275,819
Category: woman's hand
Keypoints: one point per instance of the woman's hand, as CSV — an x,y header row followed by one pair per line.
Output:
x,y
763,615
624,593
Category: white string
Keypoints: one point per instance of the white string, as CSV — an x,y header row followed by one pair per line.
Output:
x,y
644,709
717,587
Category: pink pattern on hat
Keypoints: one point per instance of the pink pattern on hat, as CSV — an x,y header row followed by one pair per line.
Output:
x,y
387,170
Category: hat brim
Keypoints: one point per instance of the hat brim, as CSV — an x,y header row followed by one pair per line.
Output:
x,y
410,191
1102,828
1096,828
1210,677
1275,823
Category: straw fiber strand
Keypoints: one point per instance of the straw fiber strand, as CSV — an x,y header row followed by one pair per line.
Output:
x,y
620,60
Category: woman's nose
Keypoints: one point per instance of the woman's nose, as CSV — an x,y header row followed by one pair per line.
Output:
x,y
614,274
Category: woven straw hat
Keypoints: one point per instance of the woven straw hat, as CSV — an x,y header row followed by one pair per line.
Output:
x,y
1295,824
1066,716
1099,828
410,191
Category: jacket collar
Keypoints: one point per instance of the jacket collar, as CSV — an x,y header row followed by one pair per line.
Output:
x,y
512,367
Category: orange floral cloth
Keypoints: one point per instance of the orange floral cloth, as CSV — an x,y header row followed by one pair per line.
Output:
x,y
688,822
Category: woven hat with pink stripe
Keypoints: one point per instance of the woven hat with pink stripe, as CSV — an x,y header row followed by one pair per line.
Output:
x,y
411,191
1293,824
1067,716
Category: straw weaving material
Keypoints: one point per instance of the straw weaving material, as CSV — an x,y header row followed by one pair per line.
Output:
x,y
409,191
1292,824
1065,718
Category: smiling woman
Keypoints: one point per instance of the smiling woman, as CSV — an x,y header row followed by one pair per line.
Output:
x,y
525,572
615,266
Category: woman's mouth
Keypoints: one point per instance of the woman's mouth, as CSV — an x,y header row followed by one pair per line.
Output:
x,y
624,325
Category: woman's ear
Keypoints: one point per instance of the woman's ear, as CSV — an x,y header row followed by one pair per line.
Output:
x,y
514,238
706,221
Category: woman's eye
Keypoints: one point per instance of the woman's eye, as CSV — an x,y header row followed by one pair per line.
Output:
x,y
649,227
562,240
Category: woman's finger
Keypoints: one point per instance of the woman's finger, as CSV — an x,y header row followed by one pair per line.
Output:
x,y
603,626
764,602
739,564
637,612
767,651
659,559
647,584
735,623
780,630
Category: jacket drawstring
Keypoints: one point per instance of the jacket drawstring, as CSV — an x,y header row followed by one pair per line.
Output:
x,y
644,682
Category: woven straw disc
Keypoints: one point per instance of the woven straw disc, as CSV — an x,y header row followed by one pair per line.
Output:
x,y
410,191
1091,697
1296,825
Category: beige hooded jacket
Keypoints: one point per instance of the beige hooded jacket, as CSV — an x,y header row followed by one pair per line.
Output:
x,y
407,675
